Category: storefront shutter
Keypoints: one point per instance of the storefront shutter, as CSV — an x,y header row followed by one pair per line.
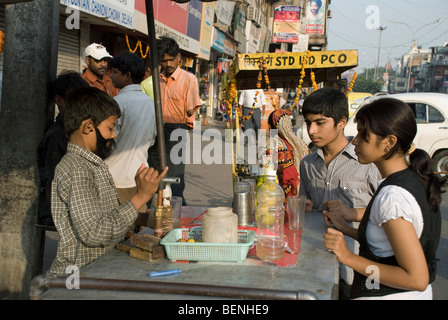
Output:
x,y
68,48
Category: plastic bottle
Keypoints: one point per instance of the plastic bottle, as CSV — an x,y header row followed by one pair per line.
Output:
x,y
270,220
220,225
270,193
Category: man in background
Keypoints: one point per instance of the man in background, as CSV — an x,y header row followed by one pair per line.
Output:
x,y
253,104
53,144
97,59
136,128
180,99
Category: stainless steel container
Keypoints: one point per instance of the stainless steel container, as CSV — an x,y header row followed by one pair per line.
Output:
x,y
253,187
242,208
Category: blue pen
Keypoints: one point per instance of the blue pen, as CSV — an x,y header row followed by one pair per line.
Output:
x,y
164,273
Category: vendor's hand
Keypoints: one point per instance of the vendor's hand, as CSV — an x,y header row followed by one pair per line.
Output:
x,y
308,205
334,242
147,181
336,206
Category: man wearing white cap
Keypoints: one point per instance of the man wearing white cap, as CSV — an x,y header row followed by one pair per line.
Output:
x,y
97,59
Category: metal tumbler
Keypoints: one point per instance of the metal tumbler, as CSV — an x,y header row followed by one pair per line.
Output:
x,y
241,206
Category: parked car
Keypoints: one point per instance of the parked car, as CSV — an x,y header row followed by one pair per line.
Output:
x,y
431,114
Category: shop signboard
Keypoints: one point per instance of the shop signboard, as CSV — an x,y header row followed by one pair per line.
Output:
x,y
208,12
254,36
118,12
292,60
194,19
229,47
224,11
286,24
180,21
315,17
239,27
218,40
302,45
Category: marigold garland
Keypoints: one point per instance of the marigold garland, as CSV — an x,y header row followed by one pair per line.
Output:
x,y
139,44
262,73
313,81
352,83
302,75
2,41
230,92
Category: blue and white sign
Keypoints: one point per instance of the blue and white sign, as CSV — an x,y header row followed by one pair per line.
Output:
x,y
116,11
218,40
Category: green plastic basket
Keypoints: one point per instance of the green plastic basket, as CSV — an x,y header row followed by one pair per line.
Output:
x,y
206,251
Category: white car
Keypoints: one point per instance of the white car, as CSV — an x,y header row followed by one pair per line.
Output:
x,y
431,114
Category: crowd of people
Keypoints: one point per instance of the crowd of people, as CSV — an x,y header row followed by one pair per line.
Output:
x,y
99,167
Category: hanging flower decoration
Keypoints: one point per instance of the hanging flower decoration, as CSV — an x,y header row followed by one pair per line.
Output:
x,y
138,45
352,83
230,93
2,41
262,73
313,81
302,76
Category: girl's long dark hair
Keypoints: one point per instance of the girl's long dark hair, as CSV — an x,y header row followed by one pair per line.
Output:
x,y
387,116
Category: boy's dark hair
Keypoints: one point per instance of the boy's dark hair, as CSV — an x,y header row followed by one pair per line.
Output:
x,y
328,102
88,103
67,80
168,46
130,62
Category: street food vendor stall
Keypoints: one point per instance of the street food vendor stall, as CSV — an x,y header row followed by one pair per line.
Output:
x,y
307,270
312,275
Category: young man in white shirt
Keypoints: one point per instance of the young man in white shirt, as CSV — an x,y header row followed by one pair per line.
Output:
x,y
136,128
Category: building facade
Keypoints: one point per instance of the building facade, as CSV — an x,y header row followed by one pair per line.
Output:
x,y
210,34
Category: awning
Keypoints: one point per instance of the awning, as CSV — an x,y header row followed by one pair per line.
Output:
x,y
284,67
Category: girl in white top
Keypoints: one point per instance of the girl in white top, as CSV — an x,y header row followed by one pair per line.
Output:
x,y
386,129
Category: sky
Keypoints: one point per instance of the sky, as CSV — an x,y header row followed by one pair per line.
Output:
x,y
354,26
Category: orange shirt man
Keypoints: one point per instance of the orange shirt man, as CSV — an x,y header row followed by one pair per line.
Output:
x,y
180,99
97,59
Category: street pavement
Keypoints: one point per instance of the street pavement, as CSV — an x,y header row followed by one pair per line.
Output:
x,y
210,185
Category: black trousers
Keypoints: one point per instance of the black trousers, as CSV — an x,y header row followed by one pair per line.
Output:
x,y
175,155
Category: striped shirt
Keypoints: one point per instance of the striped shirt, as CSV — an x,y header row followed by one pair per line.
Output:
x,y
345,179
86,210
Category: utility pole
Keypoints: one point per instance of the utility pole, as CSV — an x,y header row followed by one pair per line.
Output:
x,y
414,35
30,58
379,49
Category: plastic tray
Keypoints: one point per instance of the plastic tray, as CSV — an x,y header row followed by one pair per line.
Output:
x,y
206,251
